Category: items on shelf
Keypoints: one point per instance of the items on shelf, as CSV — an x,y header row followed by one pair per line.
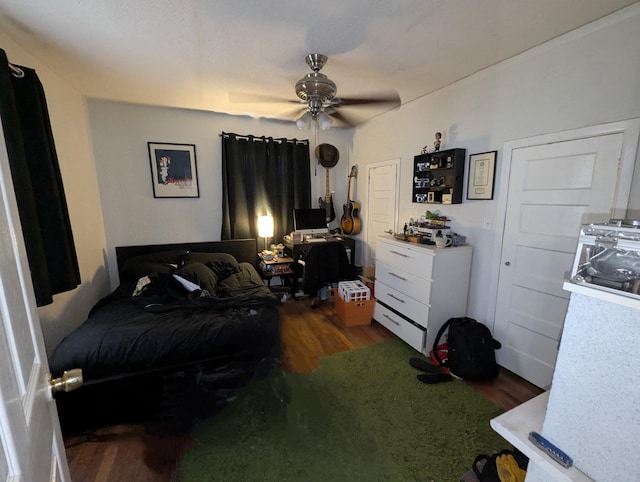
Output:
x,y
437,144
439,177
425,230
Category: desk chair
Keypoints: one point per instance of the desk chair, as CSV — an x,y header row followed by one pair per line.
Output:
x,y
325,263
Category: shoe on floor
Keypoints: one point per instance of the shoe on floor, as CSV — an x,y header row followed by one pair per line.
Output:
x,y
433,378
423,365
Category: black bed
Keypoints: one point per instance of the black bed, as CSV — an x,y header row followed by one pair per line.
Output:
x,y
188,325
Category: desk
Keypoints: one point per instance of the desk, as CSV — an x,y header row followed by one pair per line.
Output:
x,y
299,250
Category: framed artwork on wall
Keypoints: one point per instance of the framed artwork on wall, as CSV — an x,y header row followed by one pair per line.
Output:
x,y
173,170
482,175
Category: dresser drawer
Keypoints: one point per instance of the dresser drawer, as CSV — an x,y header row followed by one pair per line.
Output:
x,y
415,260
409,307
405,282
410,334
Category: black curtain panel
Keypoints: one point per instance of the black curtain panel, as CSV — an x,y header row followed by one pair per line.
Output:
x,y
263,176
37,183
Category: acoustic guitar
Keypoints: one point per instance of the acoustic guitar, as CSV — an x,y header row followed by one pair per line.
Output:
x,y
350,223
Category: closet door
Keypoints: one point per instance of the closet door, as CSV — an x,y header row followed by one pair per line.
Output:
x,y
382,204
553,188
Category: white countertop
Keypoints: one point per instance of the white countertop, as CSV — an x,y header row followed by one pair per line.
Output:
x,y
515,426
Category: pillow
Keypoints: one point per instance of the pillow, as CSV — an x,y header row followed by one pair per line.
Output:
x,y
127,272
246,277
201,275
222,264
213,258
146,268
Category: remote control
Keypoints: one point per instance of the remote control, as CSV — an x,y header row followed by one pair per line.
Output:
x,y
554,452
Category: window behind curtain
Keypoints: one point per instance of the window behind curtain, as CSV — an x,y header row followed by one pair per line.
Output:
x,y
263,176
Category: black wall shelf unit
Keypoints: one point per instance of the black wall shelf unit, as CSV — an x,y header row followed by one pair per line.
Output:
x,y
438,177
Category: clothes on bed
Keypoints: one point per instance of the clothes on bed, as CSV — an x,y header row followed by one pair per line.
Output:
x,y
166,325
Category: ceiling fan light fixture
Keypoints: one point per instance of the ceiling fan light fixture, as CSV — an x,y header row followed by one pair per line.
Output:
x,y
304,120
324,121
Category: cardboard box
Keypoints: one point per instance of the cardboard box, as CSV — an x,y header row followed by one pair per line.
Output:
x,y
353,313
369,283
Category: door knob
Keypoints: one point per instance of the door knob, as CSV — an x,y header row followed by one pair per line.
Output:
x,y
69,381
388,231
507,263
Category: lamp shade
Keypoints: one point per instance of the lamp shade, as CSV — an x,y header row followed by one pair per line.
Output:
x,y
265,226
324,120
304,120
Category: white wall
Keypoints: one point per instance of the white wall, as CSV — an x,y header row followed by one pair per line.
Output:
x,y
587,77
133,216
70,126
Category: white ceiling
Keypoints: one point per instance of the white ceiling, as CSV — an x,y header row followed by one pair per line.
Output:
x,y
195,53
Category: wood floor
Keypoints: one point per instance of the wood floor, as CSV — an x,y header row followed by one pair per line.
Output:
x,y
127,453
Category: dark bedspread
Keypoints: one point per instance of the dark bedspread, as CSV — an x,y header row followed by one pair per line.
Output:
x,y
153,352
126,335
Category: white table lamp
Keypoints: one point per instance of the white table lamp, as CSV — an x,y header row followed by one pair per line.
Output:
x,y
265,228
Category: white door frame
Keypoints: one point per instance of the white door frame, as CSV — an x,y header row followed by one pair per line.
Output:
x,y
631,132
365,222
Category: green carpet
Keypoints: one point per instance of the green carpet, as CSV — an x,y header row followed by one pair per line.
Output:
x,y
362,416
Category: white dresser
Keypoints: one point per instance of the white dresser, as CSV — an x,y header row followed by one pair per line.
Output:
x,y
419,287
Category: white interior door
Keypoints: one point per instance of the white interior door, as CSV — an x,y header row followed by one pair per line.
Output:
x,y
30,436
553,189
382,203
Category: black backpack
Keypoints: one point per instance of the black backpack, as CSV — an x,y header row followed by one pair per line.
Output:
x,y
471,353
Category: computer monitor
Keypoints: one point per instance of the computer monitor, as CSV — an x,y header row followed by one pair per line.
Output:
x,y
310,221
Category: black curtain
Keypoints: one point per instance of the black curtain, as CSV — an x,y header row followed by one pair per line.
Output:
x,y
263,176
37,183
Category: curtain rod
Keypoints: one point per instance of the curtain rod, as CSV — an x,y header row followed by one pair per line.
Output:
x,y
263,138
16,71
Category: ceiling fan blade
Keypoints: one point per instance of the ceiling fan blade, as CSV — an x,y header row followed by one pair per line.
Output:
x,y
389,97
294,114
340,117
241,97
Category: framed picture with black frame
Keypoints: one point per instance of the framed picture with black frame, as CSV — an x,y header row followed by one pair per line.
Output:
x,y
482,175
173,170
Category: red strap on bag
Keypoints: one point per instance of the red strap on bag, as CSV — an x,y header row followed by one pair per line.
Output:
x,y
442,356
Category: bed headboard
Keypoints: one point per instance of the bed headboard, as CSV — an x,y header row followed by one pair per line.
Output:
x,y
242,249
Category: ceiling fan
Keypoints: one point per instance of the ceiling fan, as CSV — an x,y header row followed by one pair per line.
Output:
x,y
318,92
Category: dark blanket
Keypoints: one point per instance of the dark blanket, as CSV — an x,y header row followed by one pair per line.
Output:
x,y
171,327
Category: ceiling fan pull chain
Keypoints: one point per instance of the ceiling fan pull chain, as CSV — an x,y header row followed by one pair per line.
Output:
x,y
317,143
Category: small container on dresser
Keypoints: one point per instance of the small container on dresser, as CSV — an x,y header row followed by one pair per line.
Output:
x,y
419,287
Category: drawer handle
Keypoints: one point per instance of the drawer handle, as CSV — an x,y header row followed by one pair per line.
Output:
x,y
398,276
399,254
391,319
391,295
